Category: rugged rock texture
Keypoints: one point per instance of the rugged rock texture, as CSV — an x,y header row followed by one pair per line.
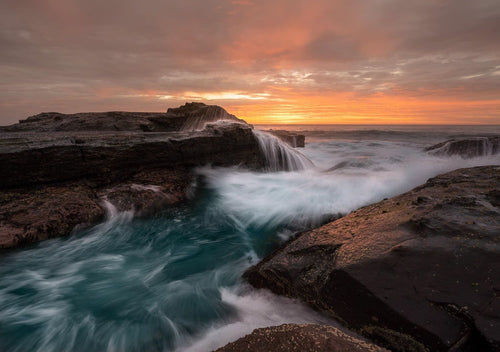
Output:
x,y
305,337
293,139
37,213
417,272
175,119
36,158
52,181
467,148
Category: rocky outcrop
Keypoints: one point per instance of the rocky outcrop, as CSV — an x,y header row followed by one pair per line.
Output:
x,y
33,214
293,139
40,158
53,181
304,337
467,148
187,117
417,272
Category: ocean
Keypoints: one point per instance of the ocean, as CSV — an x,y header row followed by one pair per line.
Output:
x,y
172,282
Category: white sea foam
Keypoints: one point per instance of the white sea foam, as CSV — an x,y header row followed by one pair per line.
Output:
x,y
305,198
279,155
256,309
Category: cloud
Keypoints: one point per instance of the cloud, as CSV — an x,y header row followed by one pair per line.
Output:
x,y
73,55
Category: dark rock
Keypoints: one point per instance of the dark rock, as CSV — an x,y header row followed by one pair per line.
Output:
x,y
188,116
420,271
304,337
467,148
56,170
33,214
293,139
41,158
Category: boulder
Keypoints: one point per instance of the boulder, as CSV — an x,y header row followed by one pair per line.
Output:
x,y
293,139
417,272
304,337
467,148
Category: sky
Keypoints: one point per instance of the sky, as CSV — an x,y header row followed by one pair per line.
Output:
x,y
267,61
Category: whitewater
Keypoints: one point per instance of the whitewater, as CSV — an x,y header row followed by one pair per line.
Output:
x,y
172,282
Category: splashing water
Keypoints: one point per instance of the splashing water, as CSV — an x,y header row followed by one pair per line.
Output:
x,y
279,155
211,114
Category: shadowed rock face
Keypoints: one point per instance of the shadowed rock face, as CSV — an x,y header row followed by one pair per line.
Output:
x,y
57,171
39,158
467,148
420,271
305,337
293,139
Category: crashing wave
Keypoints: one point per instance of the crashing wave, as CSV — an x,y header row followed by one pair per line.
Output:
x,y
467,148
279,155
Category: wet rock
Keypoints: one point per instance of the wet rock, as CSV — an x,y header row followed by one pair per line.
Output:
x,y
33,214
304,337
56,170
41,158
293,139
37,214
417,272
467,148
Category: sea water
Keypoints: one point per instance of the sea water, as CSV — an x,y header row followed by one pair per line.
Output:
x,y
172,282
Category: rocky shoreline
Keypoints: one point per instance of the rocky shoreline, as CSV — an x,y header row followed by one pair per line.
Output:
x,y
58,170
417,272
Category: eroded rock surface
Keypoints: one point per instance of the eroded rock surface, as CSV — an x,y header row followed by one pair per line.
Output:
x,y
417,272
304,337
467,148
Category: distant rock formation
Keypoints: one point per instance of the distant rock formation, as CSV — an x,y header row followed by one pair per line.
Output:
x,y
191,116
58,171
293,139
304,337
417,272
467,148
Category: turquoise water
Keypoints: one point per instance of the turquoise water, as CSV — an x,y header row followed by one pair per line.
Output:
x,y
173,281
128,284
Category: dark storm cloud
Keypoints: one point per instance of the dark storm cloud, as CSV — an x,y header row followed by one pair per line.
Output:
x,y
74,55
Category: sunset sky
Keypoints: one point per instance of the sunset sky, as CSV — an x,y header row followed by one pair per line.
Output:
x,y
269,61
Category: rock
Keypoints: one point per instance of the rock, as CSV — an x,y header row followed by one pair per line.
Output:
x,y
41,158
467,148
187,117
293,139
32,215
57,171
417,272
305,337
149,191
37,213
